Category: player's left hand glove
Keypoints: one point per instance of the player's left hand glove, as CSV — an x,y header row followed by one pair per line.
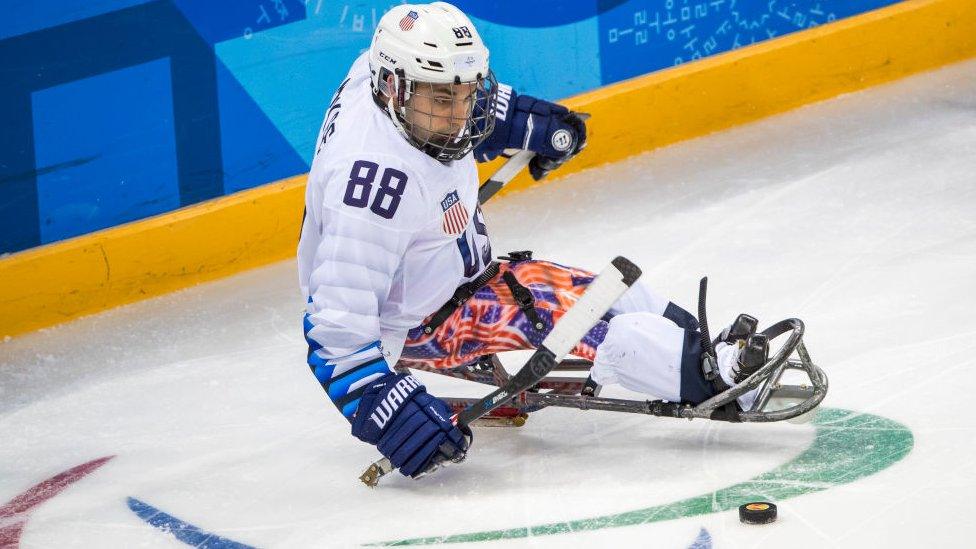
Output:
x,y
542,164
552,131
409,426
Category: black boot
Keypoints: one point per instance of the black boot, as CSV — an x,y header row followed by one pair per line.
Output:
x,y
743,327
753,355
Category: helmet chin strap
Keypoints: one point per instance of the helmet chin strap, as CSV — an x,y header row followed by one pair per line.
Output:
x,y
394,116
391,108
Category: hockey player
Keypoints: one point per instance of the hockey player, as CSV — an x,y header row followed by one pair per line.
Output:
x,y
395,261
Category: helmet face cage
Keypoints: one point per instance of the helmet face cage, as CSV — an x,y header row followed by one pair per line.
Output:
x,y
447,121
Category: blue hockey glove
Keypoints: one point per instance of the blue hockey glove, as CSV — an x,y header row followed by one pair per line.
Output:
x,y
524,122
410,427
540,166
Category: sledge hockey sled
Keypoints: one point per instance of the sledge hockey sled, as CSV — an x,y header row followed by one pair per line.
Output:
x,y
775,401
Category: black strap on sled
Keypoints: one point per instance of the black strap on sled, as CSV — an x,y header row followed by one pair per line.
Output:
x,y
518,256
524,299
730,411
521,294
462,294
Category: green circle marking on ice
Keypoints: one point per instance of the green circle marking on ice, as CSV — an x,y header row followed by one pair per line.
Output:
x,y
847,446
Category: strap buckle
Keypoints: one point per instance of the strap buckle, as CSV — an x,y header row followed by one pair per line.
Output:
x,y
517,256
524,299
709,367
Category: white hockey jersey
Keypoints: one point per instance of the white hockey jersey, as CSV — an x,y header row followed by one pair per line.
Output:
x,y
389,233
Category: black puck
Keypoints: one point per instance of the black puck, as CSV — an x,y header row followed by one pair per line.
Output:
x,y
757,512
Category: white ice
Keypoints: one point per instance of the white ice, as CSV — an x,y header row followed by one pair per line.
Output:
x,y
857,215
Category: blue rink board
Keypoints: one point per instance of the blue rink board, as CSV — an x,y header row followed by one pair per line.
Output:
x,y
162,104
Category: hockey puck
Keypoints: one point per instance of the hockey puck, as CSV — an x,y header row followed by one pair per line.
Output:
x,y
757,512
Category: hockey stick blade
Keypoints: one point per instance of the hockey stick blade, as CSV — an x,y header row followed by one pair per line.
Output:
x,y
599,296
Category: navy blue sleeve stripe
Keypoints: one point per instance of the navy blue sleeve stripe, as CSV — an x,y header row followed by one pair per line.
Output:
x,y
339,386
351,396
351,371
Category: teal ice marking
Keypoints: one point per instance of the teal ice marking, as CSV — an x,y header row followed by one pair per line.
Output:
x,y
848,446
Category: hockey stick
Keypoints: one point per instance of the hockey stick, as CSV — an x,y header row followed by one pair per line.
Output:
x,y
602,293
503,175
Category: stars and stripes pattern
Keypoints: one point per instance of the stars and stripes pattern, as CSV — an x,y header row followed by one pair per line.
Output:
x,y
491,321
407,22
456,216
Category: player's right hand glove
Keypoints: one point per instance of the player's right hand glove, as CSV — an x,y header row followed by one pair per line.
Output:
x,y
409,426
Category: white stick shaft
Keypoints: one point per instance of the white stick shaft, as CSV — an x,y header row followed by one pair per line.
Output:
x,y
605,290
510,169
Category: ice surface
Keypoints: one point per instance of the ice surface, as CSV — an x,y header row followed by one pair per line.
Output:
x,y
857,215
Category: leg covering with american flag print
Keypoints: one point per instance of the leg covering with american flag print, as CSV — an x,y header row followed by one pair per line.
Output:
x,y
645,343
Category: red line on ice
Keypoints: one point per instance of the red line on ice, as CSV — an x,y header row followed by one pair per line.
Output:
x,y
14,514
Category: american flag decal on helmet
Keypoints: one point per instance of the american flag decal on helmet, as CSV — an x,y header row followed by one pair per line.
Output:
x,y
455,214
407,22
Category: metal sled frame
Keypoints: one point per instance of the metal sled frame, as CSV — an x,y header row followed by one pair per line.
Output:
x,y
583,393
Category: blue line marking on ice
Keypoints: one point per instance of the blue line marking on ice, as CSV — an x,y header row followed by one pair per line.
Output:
x,y
703,541
184,531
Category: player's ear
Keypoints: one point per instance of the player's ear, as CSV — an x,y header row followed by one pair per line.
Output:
x,y
390,85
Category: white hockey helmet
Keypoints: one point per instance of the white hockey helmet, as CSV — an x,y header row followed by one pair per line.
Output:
x,y
430,73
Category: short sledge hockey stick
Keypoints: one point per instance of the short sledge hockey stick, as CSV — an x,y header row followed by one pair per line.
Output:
x,y
503,175
599,296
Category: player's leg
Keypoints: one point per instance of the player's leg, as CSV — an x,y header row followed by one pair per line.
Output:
x,y
641,298
493,321
651,346
650,354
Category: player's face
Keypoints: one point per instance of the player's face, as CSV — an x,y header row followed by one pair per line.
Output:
x,y
438,113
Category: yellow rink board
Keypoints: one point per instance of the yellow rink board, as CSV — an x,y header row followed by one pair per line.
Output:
x,y
57,282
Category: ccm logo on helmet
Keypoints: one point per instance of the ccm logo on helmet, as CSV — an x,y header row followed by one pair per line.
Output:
x,y
397,396
388,58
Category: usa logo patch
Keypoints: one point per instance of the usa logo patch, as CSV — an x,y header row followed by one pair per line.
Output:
x,y
407,22
455,214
